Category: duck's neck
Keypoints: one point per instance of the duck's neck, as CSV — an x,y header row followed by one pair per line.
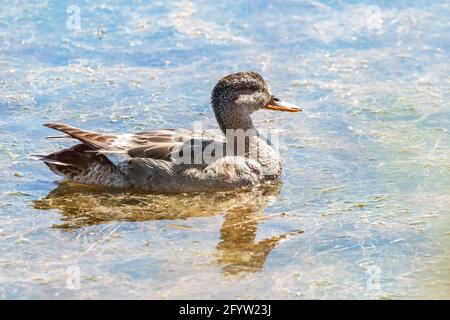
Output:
x,y
246,142
235,119
237,125
238,129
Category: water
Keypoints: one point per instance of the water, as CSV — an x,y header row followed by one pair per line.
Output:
x,y
362,208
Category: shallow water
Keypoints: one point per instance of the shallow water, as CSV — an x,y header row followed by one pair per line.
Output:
x,y
362,210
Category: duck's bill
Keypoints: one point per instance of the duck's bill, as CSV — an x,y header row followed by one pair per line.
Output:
x,y
280,105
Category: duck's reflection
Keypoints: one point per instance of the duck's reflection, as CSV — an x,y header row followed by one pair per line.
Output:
x,y
237,250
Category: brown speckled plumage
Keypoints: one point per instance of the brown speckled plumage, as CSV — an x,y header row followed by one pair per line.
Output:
x,y
148,160
81,165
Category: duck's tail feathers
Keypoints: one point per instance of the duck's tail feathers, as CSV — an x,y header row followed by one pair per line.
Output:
x,y
48,160
80,164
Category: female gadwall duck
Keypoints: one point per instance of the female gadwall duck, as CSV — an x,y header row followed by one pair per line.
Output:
x,y
180,160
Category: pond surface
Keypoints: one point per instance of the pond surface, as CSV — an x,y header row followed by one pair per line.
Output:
x,y
362,210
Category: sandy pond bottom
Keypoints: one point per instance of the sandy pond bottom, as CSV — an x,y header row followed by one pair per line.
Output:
x,y
362,210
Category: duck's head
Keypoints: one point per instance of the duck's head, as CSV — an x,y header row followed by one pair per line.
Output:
x,y
236,96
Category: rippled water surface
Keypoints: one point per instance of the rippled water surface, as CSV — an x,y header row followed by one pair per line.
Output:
x,y
362,210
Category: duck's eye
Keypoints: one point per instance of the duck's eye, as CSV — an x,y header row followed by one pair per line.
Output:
x,y
275,98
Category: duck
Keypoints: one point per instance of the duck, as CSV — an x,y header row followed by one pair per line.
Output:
x,y
181,160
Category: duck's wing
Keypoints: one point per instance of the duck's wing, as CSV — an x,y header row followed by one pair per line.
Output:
x,y
92,139
156,144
